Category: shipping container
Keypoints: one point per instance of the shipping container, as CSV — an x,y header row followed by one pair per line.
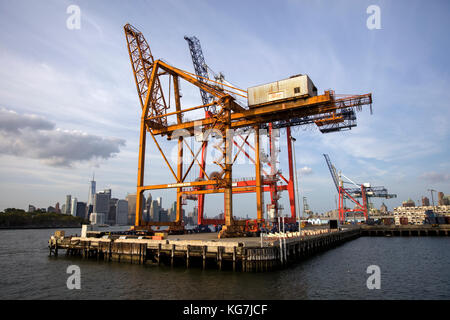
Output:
x,y
447,220
333,224
429,213
430,220
298,86
440,220
403,221
388,221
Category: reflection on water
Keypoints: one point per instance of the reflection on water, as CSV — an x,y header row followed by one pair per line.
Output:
x,y
411,268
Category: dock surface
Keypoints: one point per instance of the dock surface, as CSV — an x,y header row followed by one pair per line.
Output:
x,y
205,250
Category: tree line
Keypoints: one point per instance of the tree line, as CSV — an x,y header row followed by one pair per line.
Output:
x,y
12,217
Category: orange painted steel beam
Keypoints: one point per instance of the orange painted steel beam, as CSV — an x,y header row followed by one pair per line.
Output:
x,y
179,208
281,111
258,184
179,185
140,181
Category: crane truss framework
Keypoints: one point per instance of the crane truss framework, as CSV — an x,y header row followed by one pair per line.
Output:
x,y
142,63
199,65
352,194
269,181
229,116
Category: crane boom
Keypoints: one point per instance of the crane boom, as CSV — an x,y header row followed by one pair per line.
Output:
x,y
201,69
142,64
332,171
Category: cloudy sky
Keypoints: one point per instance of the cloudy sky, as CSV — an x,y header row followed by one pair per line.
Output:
x,y
68,103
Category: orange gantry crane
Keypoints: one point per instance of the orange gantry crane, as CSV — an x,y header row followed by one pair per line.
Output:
x,y
229,119
273,181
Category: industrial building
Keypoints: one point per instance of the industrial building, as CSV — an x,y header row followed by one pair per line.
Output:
x,y
417,215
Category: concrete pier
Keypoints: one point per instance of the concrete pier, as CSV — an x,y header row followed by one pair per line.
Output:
x,y
406,230
204,250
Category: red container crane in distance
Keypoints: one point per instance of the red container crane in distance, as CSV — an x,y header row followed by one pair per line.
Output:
x,y
363,191
150,75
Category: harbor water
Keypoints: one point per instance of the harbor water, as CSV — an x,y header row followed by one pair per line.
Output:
x,y
411,268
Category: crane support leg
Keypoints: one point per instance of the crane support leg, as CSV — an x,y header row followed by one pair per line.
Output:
x,y
179,217
227,156
259,208
291,191
201,197
178,227
140,178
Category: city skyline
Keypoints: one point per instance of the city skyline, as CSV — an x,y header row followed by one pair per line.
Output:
x,y
442,199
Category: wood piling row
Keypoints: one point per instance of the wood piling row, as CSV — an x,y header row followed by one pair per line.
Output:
x,y
406,231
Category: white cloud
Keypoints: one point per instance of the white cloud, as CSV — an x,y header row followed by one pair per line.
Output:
x,y
10,121
435,177
35,137
305,171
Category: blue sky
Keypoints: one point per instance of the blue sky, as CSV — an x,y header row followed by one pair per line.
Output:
x,y
79,82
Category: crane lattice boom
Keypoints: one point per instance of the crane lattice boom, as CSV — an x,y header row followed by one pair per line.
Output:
x,y
201,69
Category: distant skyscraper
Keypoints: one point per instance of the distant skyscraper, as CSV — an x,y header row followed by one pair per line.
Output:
x,y
68,204
91,191
122,212
195,216
89,210
441,199
111,219
97,218
81,209
425,201
155,211
73,207
163,215
131,198
58,210
159,199
101,203
173,215
148,202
